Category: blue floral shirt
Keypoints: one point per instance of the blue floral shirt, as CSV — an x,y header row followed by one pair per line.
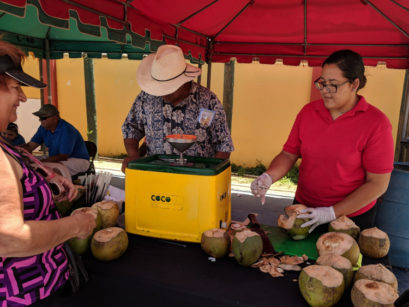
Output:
x,y
201,114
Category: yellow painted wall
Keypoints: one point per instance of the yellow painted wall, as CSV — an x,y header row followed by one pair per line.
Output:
x,y
31,66
267,99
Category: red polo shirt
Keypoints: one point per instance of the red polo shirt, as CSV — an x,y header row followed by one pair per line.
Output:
x,y
337,153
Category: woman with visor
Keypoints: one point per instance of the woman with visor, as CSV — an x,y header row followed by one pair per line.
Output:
x,y
346,147
33,261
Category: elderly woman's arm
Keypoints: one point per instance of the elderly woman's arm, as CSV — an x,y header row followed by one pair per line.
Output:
x,y
19,238
374,186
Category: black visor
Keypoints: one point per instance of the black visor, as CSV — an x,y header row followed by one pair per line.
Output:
x,y
8,67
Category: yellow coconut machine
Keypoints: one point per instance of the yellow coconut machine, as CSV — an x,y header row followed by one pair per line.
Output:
x,y
177,198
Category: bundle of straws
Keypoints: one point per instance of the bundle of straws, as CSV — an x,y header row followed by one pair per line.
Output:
x,y
96,186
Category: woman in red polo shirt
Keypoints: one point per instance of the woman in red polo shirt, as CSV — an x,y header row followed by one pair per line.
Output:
x,y
346,147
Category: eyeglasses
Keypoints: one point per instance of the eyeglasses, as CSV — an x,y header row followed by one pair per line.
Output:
x,y
43,118
331,88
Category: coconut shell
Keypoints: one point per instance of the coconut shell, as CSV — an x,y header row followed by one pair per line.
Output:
x,y
321,285
109,212
291,224
374,243
215,242
377,272
80,246
109,243
339,263
247,247
339,243
346,225
370,293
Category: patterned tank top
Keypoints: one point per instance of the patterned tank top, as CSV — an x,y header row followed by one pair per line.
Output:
x,y
25,280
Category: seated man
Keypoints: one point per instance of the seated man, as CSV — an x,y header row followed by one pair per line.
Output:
x,y
65,144
12,136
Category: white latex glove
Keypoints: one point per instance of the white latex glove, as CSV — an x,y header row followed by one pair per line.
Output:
x,y
260,186
318,216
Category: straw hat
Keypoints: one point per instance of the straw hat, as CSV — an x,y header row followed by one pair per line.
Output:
x,y
163,72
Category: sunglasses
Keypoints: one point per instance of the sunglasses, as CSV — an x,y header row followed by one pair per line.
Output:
x,y
42,118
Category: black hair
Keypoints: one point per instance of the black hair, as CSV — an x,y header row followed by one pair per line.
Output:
x,y
350,63
12,127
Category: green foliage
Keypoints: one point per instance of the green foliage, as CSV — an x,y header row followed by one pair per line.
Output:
x,y
292,175
243,171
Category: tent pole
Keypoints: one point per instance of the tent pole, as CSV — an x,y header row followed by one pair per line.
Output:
x,y
228,90
209,73
402,143
90,99
199,78
48,70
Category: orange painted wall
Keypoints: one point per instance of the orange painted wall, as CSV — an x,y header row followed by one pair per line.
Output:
x,y
267,99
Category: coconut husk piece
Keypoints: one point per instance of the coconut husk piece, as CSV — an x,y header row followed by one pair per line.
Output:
x,y
256,227
291,260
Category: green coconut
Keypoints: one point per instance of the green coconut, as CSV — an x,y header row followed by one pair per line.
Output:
x,y
80,246
247,247
339,263
374,243
377,272
291,224
370,293
63,207
346,225
339,243
321,285
215,242
109,212
109,243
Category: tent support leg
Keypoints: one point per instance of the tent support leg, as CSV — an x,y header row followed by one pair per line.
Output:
x,y
209,73
228,89
90,99
402,143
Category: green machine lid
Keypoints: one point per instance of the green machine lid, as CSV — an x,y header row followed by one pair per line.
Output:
x,y
167,164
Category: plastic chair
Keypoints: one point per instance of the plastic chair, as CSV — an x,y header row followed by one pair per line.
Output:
x,y
92,152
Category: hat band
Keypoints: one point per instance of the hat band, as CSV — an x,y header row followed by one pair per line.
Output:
x,y
164,80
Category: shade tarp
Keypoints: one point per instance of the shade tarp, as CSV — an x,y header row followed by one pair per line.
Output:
x,y
214,30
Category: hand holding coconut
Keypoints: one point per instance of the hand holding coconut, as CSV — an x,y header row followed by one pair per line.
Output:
x,y
317,216
260,186
86,223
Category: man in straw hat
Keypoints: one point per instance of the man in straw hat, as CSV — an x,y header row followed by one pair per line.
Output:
x,y
171,103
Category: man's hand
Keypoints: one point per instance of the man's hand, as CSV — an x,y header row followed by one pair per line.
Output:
x,y
318,216
126,161
260,186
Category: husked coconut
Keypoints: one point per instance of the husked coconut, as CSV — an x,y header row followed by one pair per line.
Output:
x,y
109,212
377,272
80,246
346,225
321,285
292,224
370,293
339,243
215,242
109,243
374,243
339,263
247,247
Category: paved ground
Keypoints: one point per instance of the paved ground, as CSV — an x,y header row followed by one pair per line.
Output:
x,y
243,203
